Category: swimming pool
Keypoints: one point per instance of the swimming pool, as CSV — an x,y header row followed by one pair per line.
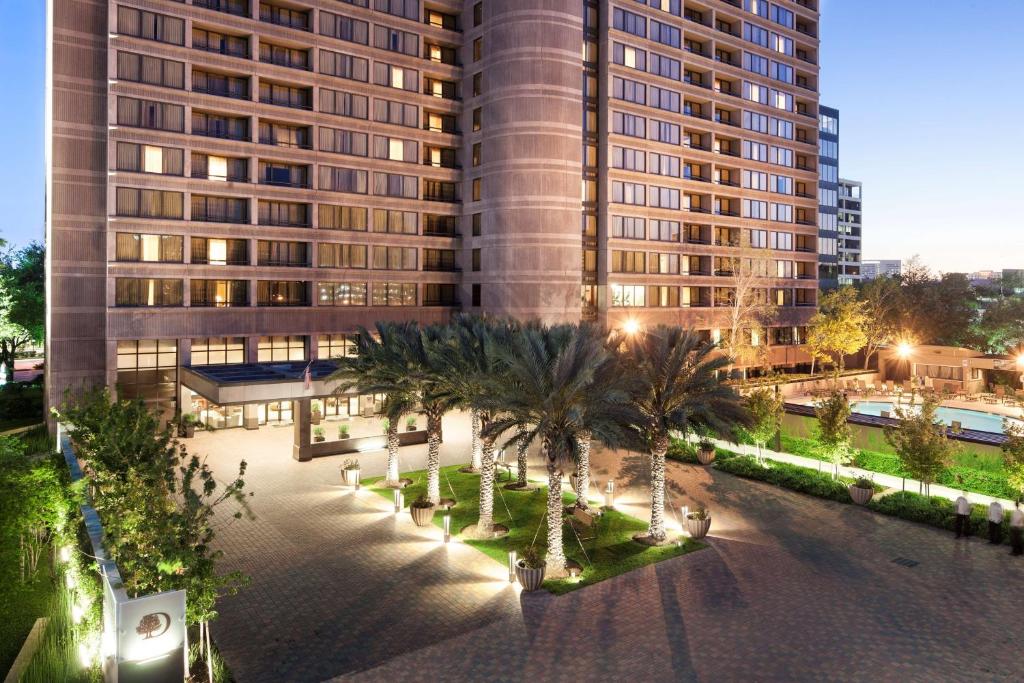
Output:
x,y
969,419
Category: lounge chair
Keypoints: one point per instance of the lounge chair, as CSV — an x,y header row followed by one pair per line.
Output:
x,y
956,427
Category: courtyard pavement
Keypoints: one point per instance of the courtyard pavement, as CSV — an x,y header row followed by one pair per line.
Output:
x,y
790,588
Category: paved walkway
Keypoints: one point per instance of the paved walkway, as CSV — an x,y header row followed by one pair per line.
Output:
x,y
791,588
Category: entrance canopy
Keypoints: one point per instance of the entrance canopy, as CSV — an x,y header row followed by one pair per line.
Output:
x,y
260,382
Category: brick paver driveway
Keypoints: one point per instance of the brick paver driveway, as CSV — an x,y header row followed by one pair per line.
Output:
x,y
791,588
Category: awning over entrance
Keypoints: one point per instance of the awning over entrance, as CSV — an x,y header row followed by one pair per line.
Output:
x,y
260,382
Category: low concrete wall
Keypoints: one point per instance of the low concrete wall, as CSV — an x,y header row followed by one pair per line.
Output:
x,y
363,444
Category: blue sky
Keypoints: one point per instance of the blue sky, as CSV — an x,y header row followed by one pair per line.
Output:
x,y
928,98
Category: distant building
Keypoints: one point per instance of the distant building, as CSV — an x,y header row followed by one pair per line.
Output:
x,y
828,197
869,270
849,247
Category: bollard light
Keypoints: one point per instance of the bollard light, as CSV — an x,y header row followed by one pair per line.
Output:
x,y
609,494
511,566
399,501
447,527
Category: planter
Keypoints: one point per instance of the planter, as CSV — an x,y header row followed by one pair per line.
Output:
x,y
705,457
411,428
315,417
421,516
319,439
529,579
698,528
860,496
351,477
188,431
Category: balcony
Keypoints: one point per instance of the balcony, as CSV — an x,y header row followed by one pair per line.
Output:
x,y
804,221
727,212
223,49
280,16
236,93
727,181
697,209
216,217
285,143
239,8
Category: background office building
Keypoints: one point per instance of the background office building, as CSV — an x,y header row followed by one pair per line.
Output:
x,y
246,182
828,198
881,268
849,247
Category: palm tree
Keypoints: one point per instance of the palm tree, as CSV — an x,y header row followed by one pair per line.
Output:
x,y
557,385
469,366
381,367
676,388
423,350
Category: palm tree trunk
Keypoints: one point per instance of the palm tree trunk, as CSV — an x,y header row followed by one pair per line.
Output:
x,y
485,524
521,453
392,478
433,459
656,532
477,449
583,468
556,554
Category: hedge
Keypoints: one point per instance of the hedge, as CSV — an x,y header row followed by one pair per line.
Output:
x,y
936,512
787,476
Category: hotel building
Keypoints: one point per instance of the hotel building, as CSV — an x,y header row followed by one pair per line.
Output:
x,y
242,183
850,198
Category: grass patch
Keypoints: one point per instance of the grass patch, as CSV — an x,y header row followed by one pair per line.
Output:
x,y
23,603
611,552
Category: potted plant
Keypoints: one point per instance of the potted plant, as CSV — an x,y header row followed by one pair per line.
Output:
x,y
318,434
530,569
410,424
188,425
861,490
698,522
350,471
705,451
422,511
343,431
316,414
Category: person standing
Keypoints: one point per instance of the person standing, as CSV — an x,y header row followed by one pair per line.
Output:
x,y
995,523
1017,530
963,516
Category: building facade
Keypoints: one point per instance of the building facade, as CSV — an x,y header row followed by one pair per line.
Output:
x,y
881,268
850,226
828,198
249,181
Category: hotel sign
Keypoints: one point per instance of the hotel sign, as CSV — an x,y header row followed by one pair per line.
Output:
x,y
151,638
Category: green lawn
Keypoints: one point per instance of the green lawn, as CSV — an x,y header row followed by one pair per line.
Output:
x,y
611,553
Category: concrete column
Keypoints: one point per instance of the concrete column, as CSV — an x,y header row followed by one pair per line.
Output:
x,y
301,418
250,416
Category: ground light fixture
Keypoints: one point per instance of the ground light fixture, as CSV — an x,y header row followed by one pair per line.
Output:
x,y
447,527
399,501
511,566
609,494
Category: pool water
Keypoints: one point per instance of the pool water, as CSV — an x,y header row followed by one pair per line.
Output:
x,y
969,419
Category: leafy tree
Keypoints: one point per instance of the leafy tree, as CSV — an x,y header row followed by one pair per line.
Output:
x,y
1013,455
766,410
921,443
22,301
837,329
675,387
832,432
557,383
381,366
881,302
937,309
1001,327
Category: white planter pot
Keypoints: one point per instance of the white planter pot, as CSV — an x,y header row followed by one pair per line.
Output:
x,y
859,495
529,579
351,477
705,457
698,528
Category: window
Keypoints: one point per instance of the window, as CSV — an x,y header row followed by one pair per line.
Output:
x,y
440,295
343,179
220,252
344,66
284,16
395,77
478,14
394,258
282,174
342,141
393,294
629,124
283,95
476,189
220,126
395,185
344,103
628,295
395,149
628,261
139,203
221,43
150,25
629,159
395,40
439,260
477,224
386,111
218,293
149,248
334,255
755,209
147,370
220,84
629,193
663,131
663,197
629,227
135,291
629,22
629,56
410,9
440,191
477,118
476,296
282,293
150,114
341,294
755,180
149,159
217,350
660,65
665,34
344,28
286,214
475,256
477,84
150,70
271,349
334,217
395,222
338,345
477,49
664,231
630,91
274,253
220,209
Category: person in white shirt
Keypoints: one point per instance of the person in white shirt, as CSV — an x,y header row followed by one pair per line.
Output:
x,y
963,516
995,523
1017,530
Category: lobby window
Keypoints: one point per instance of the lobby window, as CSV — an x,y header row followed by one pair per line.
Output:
x,y
147,292
147,369
476,294
477,221
218,350
477,117
476,189
150,159
341,294
476,260
219,293
478,48
281,348
149,248
337,345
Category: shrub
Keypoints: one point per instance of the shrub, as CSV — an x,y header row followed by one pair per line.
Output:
x,y
681,451
421,502
350,464
863,483
700,514
937,512
531,558
787,476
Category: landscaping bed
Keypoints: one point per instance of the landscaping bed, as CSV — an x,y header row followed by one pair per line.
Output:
x,y
611,553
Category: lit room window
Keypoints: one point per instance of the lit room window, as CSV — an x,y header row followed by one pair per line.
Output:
x,y
217,168
153,159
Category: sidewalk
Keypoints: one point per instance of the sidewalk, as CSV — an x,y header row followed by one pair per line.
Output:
x,y
891,482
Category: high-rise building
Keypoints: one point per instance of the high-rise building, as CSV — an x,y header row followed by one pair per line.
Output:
x,y
869,270
828,197
247,181
849,248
